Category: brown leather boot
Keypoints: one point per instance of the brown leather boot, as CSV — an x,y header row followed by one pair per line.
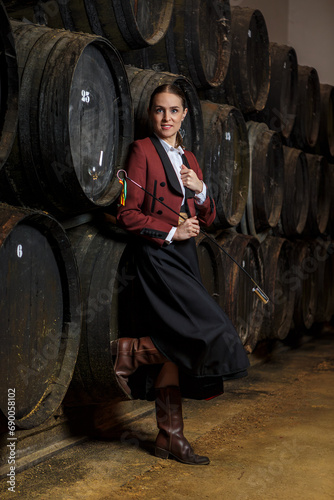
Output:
x,y
170,440
131,353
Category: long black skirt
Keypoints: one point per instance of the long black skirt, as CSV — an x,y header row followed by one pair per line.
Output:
x,y
185,323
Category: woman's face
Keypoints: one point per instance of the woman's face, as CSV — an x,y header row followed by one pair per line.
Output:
x,y
166,115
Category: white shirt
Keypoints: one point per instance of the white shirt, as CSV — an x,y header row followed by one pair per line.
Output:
x,y
175,156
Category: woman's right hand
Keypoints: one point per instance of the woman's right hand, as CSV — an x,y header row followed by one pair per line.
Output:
x,y
187,229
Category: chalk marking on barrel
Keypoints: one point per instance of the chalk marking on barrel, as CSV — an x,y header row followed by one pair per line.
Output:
x,y
85,96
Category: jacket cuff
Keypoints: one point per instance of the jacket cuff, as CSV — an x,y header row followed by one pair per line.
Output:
x,y
154,233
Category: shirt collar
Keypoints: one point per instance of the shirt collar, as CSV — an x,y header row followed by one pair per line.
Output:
x,y
168,147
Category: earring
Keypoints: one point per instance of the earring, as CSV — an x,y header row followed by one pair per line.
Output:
x,y
182,132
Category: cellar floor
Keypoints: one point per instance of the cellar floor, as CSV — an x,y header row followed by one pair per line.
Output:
x,y
270,436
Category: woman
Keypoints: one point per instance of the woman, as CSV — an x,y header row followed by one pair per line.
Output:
x,y
190,339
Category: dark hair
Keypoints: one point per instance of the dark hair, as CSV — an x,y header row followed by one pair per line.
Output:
x,y
170,88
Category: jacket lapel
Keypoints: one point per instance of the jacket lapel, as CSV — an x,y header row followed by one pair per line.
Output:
x,y
170,172
188,192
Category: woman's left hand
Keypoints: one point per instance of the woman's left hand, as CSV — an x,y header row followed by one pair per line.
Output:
x,y
190,180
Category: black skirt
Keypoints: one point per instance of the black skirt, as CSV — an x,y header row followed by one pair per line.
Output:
x,y
185,323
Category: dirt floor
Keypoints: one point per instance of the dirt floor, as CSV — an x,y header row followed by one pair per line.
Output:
x,y
270,436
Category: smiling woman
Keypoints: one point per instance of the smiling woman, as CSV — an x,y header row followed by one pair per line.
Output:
x,y
167,114
143,82
190,346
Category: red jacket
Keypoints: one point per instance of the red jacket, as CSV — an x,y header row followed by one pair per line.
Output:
x,y
147,217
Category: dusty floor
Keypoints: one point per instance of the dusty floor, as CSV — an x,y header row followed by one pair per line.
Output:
x,y
271,436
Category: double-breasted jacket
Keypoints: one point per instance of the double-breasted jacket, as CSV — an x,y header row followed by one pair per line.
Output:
x,y
152,169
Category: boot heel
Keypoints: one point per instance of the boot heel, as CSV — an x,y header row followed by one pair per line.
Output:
x,y
160,453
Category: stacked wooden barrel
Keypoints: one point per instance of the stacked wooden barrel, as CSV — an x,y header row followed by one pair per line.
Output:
x,y
40,308
261,127
75,121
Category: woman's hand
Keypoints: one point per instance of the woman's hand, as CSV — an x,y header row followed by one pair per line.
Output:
x,y
187,229
190,180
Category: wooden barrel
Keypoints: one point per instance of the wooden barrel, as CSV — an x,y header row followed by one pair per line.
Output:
x,y
108,307
247,82
323,251
266,180
306,127
197,44
319,195
127,24
75,121
210,265
226,161
281,107
325,145
330,225
330,273
302,279
296,193
243,307
143,82
278,313
9,87
40,313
